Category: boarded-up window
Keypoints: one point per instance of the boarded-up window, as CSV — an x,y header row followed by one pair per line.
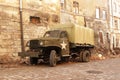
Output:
x,y
34,19
76,7
101,37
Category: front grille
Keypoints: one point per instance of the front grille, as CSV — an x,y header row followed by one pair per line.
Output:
x,y
34,44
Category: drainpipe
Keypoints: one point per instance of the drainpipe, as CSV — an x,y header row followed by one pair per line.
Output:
x,y
21,27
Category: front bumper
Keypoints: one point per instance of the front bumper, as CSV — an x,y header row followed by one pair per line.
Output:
x,y
28,54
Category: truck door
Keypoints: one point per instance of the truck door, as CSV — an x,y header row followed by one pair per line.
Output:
x,y
64,43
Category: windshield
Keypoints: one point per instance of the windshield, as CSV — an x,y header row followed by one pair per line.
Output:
x,y
54,33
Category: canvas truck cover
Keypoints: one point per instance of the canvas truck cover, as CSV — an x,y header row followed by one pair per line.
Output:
x,y
77,34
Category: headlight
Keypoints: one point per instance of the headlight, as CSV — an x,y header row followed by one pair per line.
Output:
x,y
41,43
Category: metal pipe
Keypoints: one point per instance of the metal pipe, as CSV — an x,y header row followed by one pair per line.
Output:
x,y
21,27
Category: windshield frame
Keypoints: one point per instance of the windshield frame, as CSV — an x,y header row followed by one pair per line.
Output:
x,y
52,34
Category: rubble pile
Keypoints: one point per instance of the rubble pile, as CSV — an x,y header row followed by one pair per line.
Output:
x,y
100,53
4,59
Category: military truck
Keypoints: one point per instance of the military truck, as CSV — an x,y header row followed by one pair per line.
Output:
x,y
61,43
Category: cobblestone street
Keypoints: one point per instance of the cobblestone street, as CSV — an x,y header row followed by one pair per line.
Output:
x,y
108,69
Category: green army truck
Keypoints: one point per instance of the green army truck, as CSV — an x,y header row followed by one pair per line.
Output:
x,y
61,43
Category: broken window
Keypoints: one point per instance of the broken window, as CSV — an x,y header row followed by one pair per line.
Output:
x,y
76,7
34,19
63,4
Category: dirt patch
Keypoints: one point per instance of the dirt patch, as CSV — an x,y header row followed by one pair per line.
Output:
x,y
94,72
9,66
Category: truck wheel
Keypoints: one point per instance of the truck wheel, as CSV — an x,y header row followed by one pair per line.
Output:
x,y
33,60
86,56
80,56
53,58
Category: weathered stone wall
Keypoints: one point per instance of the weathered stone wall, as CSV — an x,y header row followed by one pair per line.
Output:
x,y
9,29
10,41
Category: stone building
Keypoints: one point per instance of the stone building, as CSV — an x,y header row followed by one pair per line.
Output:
x,y
114,12
39,15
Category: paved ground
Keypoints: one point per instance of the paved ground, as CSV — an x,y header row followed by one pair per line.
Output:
x,y
108,69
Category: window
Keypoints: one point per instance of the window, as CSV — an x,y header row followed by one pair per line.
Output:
x,y
119,24
63,4
54,33
115,7
34,19
104,15
117,42
101,37
118,9
108,37
116,23
63,35
97,13
76,7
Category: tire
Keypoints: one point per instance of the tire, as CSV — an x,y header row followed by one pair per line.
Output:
x,y
86,56
33,60
80,57
53,58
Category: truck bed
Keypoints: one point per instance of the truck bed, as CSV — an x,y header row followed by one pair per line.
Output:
x,y
77,34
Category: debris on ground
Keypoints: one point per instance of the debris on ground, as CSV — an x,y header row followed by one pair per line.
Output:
x,y
4,59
